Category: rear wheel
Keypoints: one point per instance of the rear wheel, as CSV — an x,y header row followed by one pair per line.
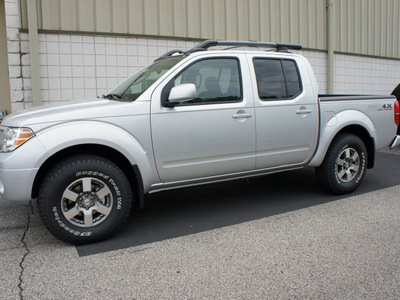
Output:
x,y
84,199
344,166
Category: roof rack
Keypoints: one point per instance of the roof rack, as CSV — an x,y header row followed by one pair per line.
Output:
x,y
170,53
280,47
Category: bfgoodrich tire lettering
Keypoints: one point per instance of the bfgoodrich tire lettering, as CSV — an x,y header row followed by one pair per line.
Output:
x,y
344,166
84,199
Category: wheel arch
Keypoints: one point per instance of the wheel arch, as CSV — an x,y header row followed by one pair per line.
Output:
x,y
368,141
359,131
132,172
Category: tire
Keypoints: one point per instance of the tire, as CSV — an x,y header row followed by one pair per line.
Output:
x,y
344,166
84,199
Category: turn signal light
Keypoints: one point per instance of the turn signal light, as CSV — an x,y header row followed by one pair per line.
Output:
x,y
25,135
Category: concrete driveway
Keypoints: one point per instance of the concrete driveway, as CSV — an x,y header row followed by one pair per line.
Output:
x,y
271,237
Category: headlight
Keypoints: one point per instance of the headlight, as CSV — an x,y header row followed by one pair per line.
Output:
x,y
14,137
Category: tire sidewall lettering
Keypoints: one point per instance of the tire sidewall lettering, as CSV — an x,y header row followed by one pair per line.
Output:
x,y
360,174
65,227
91,173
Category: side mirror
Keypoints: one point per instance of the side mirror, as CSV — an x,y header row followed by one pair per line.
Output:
x,y
180,94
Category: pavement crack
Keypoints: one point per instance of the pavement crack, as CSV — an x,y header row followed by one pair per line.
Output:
x,y
27,251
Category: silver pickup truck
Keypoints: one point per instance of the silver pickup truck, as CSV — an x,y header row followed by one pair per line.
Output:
x,y
189,118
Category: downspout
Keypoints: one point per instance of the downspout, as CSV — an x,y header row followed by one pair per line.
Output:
x,y
5,97
330,5
34,52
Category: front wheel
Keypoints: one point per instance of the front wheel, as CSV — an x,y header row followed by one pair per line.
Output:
x,y
344,166
84,199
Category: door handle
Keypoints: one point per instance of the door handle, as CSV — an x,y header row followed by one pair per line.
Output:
x,y
241,116
304,111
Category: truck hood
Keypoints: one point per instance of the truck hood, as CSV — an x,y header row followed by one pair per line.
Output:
x,y
74,110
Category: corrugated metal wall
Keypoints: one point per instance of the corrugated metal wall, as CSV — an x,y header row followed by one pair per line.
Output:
x,y
368,27
362,26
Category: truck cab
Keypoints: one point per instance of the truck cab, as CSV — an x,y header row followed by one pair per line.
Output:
x,y
236,93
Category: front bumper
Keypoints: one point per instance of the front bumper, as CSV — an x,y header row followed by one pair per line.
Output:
x,y
18,170
396,142
16,185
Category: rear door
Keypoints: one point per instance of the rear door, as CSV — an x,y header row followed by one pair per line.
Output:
x,y
286,112
213,134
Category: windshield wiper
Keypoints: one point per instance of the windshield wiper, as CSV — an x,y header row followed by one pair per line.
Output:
x,y
111,96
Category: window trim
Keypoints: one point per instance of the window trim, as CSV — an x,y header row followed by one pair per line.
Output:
x,y
284,76
167,88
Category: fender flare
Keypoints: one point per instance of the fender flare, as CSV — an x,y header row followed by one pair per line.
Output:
x,y
99,133
336,124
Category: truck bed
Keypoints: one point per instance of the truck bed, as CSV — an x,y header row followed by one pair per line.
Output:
x,y
352,97
377,109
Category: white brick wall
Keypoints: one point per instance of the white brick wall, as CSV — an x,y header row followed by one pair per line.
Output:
x,y
78,66
14,55
365,75
319,63
355,74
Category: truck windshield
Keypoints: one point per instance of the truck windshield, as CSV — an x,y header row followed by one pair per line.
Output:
x,y
131,88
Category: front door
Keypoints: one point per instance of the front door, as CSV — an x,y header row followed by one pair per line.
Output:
x,y
214,133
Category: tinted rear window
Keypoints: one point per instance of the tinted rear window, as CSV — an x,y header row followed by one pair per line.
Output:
x,y
293,85
277,78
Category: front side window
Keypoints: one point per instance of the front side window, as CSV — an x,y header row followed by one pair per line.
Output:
x,y
216,80
277,78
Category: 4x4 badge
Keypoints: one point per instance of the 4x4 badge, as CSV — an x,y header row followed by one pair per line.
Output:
x,y
386,107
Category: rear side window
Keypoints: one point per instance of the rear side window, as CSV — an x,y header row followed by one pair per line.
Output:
x,y
277,78
292,78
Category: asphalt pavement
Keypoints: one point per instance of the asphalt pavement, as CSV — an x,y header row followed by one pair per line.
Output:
x,y
270,237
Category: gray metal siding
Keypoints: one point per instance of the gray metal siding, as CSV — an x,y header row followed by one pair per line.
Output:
x,y
368,27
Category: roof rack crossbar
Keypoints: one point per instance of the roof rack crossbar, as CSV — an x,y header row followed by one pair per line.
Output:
x,y
212,43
